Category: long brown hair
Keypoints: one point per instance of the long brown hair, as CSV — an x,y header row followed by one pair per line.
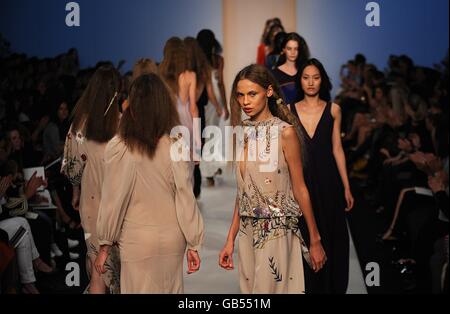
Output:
x,y
197,61
174,62
260,75
151,114
96,113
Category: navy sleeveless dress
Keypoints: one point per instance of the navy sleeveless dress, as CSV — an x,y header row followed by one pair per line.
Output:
x,y
327,196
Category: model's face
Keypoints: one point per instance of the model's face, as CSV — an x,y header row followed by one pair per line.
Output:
x,y
311,80
252,97
291,50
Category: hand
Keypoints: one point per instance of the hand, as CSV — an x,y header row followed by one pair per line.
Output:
x,y
385,152
404,145
76,198
193,261
5,183
389,161
418,158
318,257
219,111
349,199
32,185
226,256
437,182
415,140
100,261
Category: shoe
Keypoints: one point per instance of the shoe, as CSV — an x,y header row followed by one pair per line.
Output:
x,y
72,243
74,255
55,250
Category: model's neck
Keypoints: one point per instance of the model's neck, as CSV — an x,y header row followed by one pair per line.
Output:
x,y
311,100
263,116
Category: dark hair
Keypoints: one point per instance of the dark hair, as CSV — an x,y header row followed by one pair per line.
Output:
x,y
209,44
268,37
151,114
303,49
325,86
97,111
279,43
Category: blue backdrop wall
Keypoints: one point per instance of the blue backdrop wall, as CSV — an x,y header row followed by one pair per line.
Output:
x,y
109,29
337,30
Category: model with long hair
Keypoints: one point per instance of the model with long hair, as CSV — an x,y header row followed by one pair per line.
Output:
x,y
148,208
269,204
95,122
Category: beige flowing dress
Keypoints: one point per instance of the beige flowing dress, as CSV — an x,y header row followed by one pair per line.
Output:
x,y
270,243
148,209
83,165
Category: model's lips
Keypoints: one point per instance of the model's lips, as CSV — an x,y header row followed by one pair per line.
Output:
x,y
247,110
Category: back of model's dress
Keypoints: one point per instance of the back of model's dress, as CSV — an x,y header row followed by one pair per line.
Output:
x,y
185,114
209,168
327,196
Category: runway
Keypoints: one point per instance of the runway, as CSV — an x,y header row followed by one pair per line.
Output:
x,y
216,204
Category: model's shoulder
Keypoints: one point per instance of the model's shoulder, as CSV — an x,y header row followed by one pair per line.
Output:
x,y
288,131
335,110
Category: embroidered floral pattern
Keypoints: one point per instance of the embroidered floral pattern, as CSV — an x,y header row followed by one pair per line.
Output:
x,y
265,230
80,137
274,270
73,162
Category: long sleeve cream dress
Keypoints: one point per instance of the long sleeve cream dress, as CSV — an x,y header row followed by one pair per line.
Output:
x,y
149,210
